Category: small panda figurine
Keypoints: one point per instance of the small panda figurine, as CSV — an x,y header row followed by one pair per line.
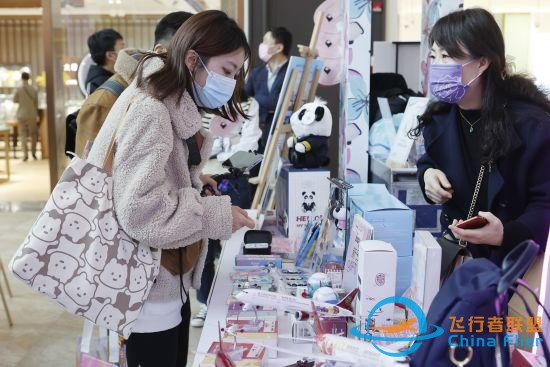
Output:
x,y
308,203
340,214
312,125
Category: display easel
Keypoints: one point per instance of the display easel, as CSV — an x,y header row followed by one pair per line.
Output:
x,y
264,198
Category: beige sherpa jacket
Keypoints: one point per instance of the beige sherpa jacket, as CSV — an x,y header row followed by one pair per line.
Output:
x,y
156,195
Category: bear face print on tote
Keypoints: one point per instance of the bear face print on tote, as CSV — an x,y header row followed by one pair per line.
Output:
x,y
78,256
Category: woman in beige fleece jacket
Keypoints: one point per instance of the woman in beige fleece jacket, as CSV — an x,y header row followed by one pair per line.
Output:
x,y
160,152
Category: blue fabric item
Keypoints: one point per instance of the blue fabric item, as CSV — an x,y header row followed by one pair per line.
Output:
x,y
256,86
381,136
519,183
470,291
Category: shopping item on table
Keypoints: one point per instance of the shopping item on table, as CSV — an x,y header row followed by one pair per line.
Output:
x,y
360,230
241,354
376,278
392,220
265,332
426,267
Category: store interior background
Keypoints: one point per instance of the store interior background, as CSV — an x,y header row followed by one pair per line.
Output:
x,y
49,38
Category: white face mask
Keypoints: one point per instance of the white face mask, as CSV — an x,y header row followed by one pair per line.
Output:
x,y
217,90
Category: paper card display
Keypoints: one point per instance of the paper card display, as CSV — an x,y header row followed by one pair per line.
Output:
x,y
361,230
402,144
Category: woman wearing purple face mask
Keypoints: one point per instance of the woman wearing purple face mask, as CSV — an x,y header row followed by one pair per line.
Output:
x,y
485,128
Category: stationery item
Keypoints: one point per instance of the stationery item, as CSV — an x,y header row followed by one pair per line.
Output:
x,y
263,331
241,354
361,230
259,260
307,247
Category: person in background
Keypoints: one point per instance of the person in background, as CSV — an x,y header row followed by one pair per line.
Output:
x,y
265,82
485,118
243,136
98,104
104,47
27,115
160,153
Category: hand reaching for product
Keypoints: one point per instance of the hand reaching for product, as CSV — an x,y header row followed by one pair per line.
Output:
x,y
241,219
437,187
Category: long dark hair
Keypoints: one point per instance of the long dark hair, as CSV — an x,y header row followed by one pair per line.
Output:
x,y
476,32
209,33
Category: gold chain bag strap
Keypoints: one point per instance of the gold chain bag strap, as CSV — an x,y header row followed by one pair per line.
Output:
x,y
453,252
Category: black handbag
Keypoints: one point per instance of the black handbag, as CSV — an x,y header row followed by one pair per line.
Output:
x,y
453,250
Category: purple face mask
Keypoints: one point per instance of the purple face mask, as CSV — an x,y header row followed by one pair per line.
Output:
x,y
446,82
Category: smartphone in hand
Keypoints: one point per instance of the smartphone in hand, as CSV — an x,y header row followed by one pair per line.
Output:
x,y
473,223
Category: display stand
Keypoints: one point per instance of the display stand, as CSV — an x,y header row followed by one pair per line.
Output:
x,y
263,198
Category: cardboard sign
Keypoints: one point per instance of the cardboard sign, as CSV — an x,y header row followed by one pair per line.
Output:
x,y
402,144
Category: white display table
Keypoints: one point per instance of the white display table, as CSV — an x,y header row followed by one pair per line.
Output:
x,y
217,309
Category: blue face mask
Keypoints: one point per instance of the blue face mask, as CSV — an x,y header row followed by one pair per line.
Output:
x,y
217,90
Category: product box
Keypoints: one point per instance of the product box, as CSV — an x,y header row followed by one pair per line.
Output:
x,y
234,315
426,269
242,354
302,195
376,279
264,332
391,219
403,184
404,274
361,230
258,260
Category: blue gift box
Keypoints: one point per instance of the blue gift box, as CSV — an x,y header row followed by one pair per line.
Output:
x,y
392,220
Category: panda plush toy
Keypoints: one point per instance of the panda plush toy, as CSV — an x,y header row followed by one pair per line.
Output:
x,y
311,125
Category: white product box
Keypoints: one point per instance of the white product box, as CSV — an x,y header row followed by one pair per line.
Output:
x,y
302,195
376,279
361,230
426,269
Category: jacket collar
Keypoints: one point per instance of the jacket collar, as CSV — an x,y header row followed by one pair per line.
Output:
x,y
184,114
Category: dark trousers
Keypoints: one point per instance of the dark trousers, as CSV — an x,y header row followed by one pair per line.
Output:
x,y
167,348
209,271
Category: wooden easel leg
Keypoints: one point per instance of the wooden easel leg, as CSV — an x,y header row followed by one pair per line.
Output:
x,y
10,321
273,141
5,278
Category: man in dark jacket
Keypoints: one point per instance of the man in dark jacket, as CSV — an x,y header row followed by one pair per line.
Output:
x,y
104,46
265,82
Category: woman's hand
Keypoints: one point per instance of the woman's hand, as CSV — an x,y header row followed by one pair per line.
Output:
x,y
208,180
490,234
241,219
437,187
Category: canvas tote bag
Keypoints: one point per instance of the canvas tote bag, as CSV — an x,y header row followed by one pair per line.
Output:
x,y
78,255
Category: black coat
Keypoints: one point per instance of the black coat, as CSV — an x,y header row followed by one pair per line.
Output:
x,y
519,183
